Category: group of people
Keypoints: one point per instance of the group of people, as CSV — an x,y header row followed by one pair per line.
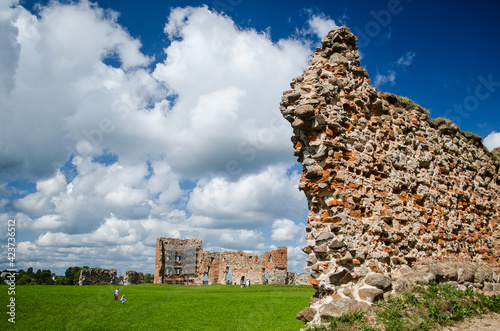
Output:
x,y
117,295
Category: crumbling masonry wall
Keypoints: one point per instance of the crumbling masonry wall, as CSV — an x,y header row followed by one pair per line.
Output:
x,y
97,276
391,193
133,277
171,266
246,266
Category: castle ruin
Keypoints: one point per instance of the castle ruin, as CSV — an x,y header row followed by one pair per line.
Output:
x,y
182,261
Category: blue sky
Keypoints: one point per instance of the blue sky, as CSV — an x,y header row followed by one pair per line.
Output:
x,y
122,121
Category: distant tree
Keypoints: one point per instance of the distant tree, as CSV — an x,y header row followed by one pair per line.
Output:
x,y
45,277
23,280
19,274
76,279
59,280
24,277
70,275
41,277
148,278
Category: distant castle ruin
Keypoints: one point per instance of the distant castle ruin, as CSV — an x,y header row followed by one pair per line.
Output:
x,y
182,261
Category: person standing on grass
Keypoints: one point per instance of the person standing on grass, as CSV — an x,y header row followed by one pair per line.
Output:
x,y
117,293
123,299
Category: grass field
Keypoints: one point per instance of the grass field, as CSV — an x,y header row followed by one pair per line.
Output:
x,y
158,307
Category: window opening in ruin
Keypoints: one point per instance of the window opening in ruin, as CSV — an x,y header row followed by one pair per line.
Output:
x,y
205,279
242,280
229,276
266,275
281,254
177,258
167,271
270,258
211,259
178,271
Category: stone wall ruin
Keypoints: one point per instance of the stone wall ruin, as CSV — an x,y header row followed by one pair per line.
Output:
x,y
133,278
181,261
97,276
393,195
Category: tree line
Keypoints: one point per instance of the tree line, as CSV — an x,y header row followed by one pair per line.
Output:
x,y
46,277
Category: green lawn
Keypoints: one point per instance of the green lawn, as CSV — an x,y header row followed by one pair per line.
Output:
x,y
159,307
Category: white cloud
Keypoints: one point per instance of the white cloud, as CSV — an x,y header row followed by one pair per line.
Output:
x,y
406,60
201,148
321,25
228,82
247,203
492,140
57,88
390,76
121,190
285,230
296,258
381,79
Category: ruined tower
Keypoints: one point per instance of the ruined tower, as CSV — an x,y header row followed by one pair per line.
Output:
x,y
179,261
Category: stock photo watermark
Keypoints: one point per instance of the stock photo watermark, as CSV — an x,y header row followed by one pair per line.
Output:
x,y
226,5
483,90
381,20
11,271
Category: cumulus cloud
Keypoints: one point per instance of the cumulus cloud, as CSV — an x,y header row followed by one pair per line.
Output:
x,y
250,202
320,25
492,140
228,82
128,192
285,230
296,258
49,91
199,146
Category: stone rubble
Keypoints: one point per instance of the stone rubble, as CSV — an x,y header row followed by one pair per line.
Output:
x,y
394,197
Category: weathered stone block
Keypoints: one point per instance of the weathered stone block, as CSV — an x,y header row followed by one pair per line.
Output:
x,y
341,277
304,111
378,280
342,306
307,314
370,293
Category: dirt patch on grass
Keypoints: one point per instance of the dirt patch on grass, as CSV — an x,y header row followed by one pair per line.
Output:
x,y
490,322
